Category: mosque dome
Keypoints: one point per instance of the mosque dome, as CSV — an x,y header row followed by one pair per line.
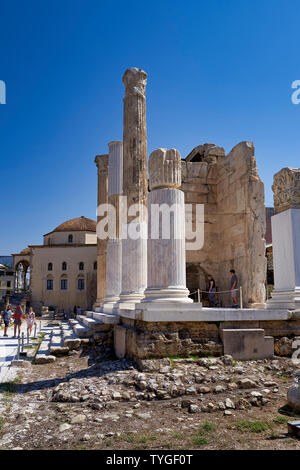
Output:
x,y
79,224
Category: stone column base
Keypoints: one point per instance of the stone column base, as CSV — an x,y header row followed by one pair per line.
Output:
x,y
110,306
170,294
129,301
97,305
285,299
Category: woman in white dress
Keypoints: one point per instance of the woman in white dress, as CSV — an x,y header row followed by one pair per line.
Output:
x,y
30,320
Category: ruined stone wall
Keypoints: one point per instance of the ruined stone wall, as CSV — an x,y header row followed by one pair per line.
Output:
x,y
147,340
234,219
241,214
156,340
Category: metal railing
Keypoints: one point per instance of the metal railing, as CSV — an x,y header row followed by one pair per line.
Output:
x,y
221,298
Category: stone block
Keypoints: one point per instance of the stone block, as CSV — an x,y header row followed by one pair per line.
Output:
x,y
248,344
120,341
72,343
44,359
293,397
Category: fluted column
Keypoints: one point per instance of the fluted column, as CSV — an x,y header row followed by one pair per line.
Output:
x,y
166,230
114,243
102,166
135,187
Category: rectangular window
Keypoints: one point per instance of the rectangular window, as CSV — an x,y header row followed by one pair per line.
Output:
x,y
8,283
64,284
81,284
49,284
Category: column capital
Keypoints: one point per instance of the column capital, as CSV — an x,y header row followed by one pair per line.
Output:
x,y
286,189
135,81
102,162
165,169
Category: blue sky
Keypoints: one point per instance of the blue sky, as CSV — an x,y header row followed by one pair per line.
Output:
x,y
218,71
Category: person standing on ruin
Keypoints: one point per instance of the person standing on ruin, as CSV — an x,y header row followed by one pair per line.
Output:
x,y
211,290
30,320
6,316
18,317
233,287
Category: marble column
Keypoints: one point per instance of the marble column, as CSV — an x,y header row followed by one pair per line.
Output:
x,y
114,244
102,166
286,240
135,189
166,230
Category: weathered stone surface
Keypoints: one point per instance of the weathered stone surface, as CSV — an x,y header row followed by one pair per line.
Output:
x,y
59,350
166,240
194,408
285,240
44,359
233,195
158,340
219,389
114,245
64,427
135,184
164,169
283,347
229,403
79,419
227,360
293,396
248,343
286,188
149,365
102,166
246,383
204,389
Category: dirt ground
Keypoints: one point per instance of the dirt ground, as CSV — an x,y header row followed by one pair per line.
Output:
x,y
33,416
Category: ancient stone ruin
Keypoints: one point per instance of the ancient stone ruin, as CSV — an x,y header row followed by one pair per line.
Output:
x,y
145,278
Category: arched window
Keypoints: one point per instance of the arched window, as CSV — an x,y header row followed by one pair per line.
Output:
x,y
95,265
50,267
70,238
81,266
64,266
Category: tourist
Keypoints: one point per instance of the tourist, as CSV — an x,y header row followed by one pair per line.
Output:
x,y
211,290
233,287
18,317
69,313
30,321
6,316
79,310
75,311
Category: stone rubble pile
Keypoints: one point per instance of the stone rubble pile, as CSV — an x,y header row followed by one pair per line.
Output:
x,y
206,385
